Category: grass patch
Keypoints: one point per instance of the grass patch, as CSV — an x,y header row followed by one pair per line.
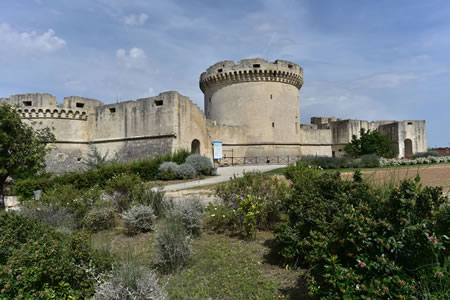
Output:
x,y
221,267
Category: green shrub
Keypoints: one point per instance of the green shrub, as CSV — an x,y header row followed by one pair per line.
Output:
x,y
51,214
139,218
100,218
201,164
167,171
146,169
370,161
269,190
369,142
124,188
154,197
77,201
221,218
172,244
190,212
37,262
359,241
24,187
250,207
326,162
425,154
186,171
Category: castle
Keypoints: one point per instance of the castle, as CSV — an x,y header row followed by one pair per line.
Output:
x,y
252,107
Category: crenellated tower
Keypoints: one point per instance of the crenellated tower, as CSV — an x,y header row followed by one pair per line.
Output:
x,y
260,96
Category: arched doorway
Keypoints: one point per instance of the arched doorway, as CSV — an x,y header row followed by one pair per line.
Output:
x,y
408,148
195,146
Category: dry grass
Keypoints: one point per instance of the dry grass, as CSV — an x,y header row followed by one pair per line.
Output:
x,y
434,175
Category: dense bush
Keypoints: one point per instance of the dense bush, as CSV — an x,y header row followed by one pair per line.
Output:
x,y
190,212
168,171
186,171
124,189
369,142
131,282
425,154
100,218
358,241
222,218
51,214
79,202
139,218
268,191
146,169
154,197
37,262
370,161
201,164
172,244
326,162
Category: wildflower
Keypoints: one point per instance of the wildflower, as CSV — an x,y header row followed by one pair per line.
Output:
x,y
438,274
433,240
403,220
362,264
212,215
223,216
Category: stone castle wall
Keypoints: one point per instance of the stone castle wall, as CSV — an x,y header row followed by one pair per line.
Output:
x,y
125,131
252,107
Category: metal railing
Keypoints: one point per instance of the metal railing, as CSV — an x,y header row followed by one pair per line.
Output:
x,y
257,160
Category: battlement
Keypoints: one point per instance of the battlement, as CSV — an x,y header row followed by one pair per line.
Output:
x,y
51,113
251,70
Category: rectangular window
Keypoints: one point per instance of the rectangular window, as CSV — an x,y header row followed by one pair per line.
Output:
x,y
290,66
409,123
112,110
270,96
273,124
27,103
80,105
256,65
159,102
220,70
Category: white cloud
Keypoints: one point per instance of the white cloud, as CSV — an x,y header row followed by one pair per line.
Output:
x,y
325,98
135,58
46,42
135,19
393,79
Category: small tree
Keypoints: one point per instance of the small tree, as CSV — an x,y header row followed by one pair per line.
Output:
x,y
95,160
22,148
370,142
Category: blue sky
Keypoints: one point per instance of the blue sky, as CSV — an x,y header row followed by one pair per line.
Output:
x,y
362,59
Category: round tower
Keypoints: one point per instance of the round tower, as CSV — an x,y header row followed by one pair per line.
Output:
x,y
260,96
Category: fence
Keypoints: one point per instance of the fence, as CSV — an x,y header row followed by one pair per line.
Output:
x,y
257,160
